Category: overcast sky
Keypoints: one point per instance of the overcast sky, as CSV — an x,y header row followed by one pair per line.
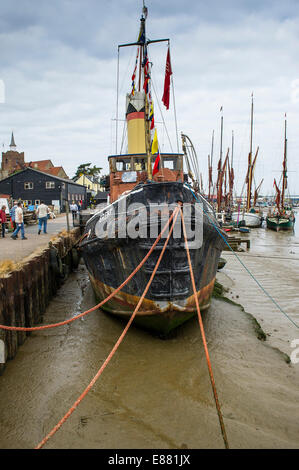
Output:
x,y
58,64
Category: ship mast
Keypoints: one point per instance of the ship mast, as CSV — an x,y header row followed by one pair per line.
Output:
x,y
143,53
249,171
221,136
148,140
232,157
210,165
284,165
219,181
142,43
231,175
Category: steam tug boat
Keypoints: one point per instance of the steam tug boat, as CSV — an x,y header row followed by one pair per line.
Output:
x,y
141,179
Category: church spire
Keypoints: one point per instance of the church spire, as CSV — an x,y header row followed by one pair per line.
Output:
x,y
12,142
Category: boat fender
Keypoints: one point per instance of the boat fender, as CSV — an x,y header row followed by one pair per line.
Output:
x,y
56,263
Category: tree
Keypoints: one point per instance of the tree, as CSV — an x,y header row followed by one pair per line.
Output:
x,y
95,171
105,181
87,170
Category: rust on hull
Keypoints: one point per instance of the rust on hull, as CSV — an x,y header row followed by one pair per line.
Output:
x,y
162,316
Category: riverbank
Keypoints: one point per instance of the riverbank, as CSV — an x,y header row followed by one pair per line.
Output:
x,y
17,250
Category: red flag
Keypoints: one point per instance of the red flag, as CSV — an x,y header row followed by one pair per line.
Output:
x,y
156,165
168,72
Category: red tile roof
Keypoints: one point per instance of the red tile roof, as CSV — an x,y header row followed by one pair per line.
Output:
x,y
55,170
41,165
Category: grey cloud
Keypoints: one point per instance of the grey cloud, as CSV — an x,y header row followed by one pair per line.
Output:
x,y
59,65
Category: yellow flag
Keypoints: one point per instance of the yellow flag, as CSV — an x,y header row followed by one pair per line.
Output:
x,y
155,147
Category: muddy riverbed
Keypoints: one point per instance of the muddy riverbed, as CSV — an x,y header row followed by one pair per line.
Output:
x,y
156,393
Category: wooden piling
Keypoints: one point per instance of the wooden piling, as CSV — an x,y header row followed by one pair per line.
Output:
x,y
26,291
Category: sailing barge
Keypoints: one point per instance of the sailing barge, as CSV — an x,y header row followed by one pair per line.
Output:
x,y
144,177
281,218
249,214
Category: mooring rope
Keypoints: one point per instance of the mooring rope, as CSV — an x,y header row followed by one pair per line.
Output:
x,y
110,296
221,422
109,357
243,264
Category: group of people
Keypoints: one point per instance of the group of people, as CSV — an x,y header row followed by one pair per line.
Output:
x,y
17,218
75,208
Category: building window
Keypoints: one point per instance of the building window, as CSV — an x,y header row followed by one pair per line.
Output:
x,y
28,185
50,184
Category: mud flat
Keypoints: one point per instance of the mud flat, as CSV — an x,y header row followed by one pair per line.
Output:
x,y
273,260
154,393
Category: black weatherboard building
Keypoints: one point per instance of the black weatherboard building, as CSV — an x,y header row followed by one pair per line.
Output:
x,y
33,186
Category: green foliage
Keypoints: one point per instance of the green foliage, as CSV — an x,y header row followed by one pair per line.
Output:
x,y
87,170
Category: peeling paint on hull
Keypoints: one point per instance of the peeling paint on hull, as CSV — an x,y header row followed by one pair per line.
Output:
x,y
161,316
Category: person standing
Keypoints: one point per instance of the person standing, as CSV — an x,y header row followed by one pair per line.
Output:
x,y
3,220
42,214
74,209
13,215
19,218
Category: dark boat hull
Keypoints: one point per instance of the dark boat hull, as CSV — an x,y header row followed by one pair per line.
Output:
x,y
170,300
280,223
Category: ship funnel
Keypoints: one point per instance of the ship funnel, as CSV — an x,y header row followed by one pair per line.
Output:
x,y
135,109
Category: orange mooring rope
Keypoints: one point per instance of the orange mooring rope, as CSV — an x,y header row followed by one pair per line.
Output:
x,y
77,402
204,338
65,322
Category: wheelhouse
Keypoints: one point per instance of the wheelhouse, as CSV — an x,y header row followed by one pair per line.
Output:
x,y
126,171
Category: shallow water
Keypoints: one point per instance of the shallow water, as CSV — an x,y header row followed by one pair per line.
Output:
x,y
155,393
273,259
